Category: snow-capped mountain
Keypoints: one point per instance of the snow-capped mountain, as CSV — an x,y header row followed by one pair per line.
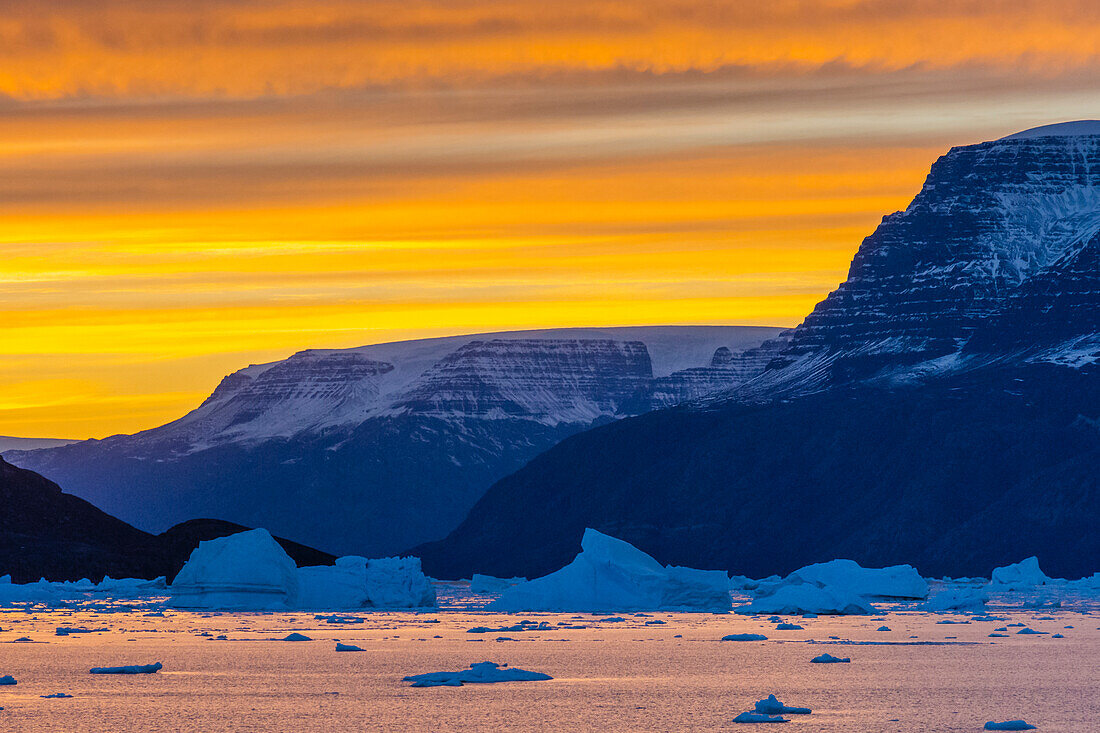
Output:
x,y
372,449
997,228
939,408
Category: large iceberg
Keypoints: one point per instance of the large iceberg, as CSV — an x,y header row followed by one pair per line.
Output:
x,y
356,582
808,598
896,581
247,571
1024,574
612,575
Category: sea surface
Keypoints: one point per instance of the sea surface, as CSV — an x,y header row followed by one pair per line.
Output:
x,y
611,675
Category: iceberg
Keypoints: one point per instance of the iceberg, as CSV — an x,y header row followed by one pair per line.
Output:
x,y
807,598
748,717
771,706
830,659
1024,574
131,669
56,695
295,636
8,680
246,571
356,582
348,648
613,575
1009,725
478,673
488,584
961,599
745,637
896,581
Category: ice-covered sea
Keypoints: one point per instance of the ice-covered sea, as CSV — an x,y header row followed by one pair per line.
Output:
x,y
232,671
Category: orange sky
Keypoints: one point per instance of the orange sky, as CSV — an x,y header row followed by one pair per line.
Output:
x,y
191,186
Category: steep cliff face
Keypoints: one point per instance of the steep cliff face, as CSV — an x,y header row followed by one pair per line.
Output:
x,y
370,450
990,218
548,380
939,408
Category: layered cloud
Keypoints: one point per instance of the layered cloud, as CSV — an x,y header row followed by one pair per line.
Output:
x,y
191,186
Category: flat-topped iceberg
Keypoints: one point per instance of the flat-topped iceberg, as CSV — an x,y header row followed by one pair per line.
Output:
x,y
1024,574
807,598
957,599
250,571
896,581
247,571
129,669
613,575
356,582
478,673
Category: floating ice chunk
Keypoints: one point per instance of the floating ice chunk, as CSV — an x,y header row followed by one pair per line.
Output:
x,y
613,575
995,634
1009,725
65,631
1027,630
348,648
883,628
960,599
771,706
745,637
807,598
1024,574
8,680
295,636
247,570
788,627
896,581
747,717
488,584
131,669
829,659
56,695
478,673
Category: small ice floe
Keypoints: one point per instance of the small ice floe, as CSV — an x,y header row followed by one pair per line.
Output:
x,y
478,673
771,706
747,717
524,625
295,636
130,669
154,614
1027,630
829,659
883,628
65,631
745,637
996,635
23,640
8,680
951,621
54,696
341,619
1057,636
1009,725
655,622
348,648
788,627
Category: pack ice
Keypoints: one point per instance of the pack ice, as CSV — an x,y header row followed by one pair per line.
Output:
x,y
250,571
612,575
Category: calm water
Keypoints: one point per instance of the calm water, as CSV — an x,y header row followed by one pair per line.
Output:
x,y
608,677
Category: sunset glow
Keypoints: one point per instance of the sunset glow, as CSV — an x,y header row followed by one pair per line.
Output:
x,y
190,187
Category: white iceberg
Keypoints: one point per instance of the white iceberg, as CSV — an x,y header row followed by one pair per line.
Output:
x,y
489,584
356,582
478,673
808,599
1024,574
896,581
247,571
613,575
957,599
771,706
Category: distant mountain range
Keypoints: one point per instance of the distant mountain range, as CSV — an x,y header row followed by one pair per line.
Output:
x,y
941,407
374,449
8,443
47,533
